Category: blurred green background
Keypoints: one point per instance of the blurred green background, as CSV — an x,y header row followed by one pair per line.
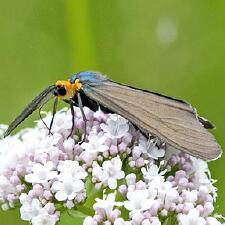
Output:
x,y
174,47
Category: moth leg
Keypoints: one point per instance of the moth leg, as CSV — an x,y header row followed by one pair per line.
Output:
x,y
154,140
39,112
70,101
73,115
83,115
53,114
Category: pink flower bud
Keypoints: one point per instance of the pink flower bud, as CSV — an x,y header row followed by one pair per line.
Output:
x,y
122,147
11,198
170,178
98,218
183,182
179,208
200,208
208,208
139,162
187,207
131,179
146,222
132,164
164,212
137,218
114,214
89,221
47,195
119,221
123,189
140,185
14,180
180,174
113,150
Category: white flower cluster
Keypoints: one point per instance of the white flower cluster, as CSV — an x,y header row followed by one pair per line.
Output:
x,y
117,176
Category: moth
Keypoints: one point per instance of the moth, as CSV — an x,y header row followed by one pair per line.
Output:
x,y
172,120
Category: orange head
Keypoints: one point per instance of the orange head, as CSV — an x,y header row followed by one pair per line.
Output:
x,y
66,89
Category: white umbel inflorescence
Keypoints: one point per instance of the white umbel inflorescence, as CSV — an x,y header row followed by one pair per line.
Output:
x,y
117,176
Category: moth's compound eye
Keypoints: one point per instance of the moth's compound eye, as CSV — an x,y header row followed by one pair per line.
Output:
x,y
61,91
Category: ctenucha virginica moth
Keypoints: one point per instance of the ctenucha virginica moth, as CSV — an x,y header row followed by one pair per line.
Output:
x,y
174,121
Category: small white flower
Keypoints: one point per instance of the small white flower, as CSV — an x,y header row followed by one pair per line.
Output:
x,y
106,204
44,219
95,144
146,222
61,122
155,221
12,152
149,148
71,167
171,196
111,172
24,198
190,196
67,188
165,192
89,221
5,187
151,173
140,200
30,209
93,147
49,141
200,170
192,218
199,165
155,179
115,127
41,173
201,175
212,221
68,145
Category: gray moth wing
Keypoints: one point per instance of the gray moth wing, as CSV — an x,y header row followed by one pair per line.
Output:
x,y
37,102
173,121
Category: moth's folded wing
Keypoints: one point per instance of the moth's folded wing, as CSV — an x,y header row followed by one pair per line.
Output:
x,y
174,121
37,102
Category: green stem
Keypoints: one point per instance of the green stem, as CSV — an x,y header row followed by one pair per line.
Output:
x,y
80,34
